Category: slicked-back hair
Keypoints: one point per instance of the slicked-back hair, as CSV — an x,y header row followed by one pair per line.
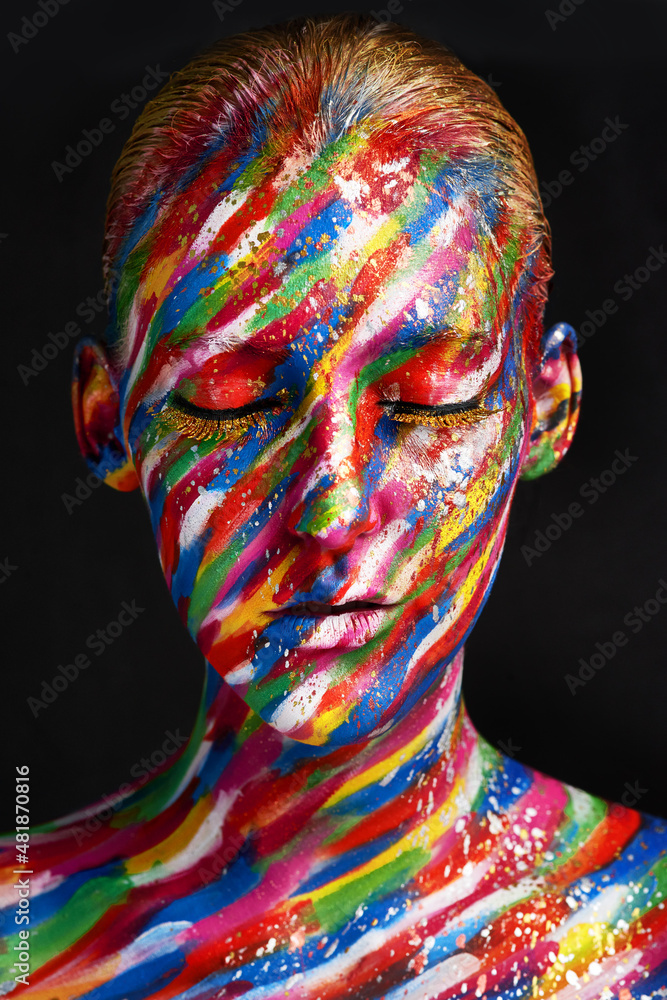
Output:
x,y
302,85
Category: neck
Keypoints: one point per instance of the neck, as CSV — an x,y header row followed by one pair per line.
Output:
x,y
246,812
266,779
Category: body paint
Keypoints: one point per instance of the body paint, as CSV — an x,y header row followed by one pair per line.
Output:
x,y
336,828
360,298
422,863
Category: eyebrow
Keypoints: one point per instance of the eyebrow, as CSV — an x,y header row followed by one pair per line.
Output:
x,y
278,351
406,338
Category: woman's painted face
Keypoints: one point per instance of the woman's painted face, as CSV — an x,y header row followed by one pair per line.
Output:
x,y
325,398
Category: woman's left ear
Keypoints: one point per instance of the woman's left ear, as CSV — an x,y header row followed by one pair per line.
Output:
x,y
556,390
96,405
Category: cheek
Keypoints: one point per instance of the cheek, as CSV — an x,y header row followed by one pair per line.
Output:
x,y
184,485
442,500
213,507
453,476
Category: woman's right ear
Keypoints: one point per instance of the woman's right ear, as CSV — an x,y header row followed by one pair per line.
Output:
x,y
95,401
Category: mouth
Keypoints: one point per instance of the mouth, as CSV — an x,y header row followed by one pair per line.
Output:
x,y
319,610
314,625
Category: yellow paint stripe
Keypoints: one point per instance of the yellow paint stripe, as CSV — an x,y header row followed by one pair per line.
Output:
x,y
158,279
347,270
247,611
423,837
378,771
585,942
175,843
325,721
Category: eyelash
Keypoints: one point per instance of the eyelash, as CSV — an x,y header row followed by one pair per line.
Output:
x,y
188,420
447,415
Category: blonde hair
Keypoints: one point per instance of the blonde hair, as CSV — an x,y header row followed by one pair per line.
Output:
x,y
308,82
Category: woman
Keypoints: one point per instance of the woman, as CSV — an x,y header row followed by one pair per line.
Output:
x,y
326,370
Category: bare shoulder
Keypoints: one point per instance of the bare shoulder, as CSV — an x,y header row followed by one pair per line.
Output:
x,y
573,890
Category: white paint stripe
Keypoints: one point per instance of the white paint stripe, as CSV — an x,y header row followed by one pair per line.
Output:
x,y
206,839
614,968
433,982
223,211
600,909
302,703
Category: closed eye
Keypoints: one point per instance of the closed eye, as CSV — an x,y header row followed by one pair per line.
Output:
x,y
257,406
201,424
445,415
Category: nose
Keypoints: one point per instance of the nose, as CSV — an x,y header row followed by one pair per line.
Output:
x,y
333,502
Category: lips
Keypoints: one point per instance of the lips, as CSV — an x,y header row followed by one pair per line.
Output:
x,y
315,625
318,609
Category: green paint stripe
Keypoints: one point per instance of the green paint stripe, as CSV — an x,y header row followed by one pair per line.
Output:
x,y
52,938
334,910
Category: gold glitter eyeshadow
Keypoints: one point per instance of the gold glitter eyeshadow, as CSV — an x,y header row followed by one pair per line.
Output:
x,y
442,419
198,427
205,428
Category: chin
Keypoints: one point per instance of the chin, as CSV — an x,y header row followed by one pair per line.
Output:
x,y
336,739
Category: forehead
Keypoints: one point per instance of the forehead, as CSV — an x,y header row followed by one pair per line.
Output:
x,y
359,238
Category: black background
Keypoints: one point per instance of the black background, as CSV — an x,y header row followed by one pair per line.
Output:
x,y
72,570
